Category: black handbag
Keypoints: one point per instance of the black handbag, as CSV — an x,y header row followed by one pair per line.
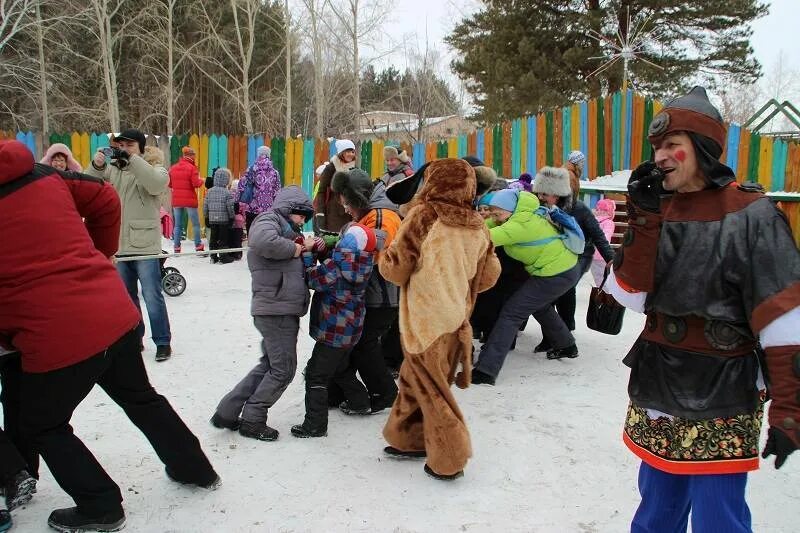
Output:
x,y
605,314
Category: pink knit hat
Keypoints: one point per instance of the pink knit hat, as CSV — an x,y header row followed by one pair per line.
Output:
x,y
606,205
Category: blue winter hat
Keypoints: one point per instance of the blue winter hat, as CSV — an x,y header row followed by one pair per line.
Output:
x,y
505,199
486,199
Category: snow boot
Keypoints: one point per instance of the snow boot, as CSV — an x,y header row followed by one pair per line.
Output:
x,y
346,409
214,484
482,378
393,452
258,431
177,249
543,346
163,352
72,521
379,402
301,431
20,489
223,423
5,520
570,352
443,477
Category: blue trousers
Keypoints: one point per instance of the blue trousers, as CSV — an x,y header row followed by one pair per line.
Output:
x,y
716,502
177,213
148,273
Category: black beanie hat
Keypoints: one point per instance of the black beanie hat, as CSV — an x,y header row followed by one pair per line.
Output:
x,y
133,135
355,185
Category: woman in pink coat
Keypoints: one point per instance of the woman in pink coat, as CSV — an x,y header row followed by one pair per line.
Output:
x,y
60,157
604,213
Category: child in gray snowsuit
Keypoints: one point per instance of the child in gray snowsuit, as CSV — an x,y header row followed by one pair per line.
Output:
x,y
280,298
218,213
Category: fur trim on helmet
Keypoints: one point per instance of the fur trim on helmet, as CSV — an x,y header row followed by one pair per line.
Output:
x,y
58,148
153,155
486,178
551,180
356,186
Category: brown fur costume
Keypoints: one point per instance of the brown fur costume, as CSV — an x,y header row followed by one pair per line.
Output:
x,y
442,257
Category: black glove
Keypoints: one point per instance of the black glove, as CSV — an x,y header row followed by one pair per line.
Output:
x,y
778,444
121,157
645,188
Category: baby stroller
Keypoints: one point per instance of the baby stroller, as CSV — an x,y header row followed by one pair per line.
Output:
x,y
172,281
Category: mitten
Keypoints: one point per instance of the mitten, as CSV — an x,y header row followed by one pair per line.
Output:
x,y
783,368
634,261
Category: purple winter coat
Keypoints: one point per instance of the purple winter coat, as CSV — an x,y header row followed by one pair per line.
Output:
x,y
267,184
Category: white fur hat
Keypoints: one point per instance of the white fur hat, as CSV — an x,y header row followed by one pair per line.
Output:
x,y
344,144
551,180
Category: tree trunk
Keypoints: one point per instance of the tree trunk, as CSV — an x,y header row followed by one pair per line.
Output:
x,y
319,92
356,73
288,131
170,93
42,72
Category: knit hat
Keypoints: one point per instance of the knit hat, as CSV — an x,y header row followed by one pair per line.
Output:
x,y
358,237
486,199
188,151
692,112
551,180
390,152
506,199
263,151
355,185
525,177
132,135
344,144
577,158
606,205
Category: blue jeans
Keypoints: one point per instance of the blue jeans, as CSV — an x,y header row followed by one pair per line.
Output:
x,y
177,214
148,273
716,502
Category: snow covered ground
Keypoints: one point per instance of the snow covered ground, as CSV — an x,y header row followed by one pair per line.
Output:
x,y
548,456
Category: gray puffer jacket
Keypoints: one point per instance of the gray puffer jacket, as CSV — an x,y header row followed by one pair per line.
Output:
x,y
278,278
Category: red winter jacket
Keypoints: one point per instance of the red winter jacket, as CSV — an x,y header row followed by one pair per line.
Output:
x,y
184,179
61,299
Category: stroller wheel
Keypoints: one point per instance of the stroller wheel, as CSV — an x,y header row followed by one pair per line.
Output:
x,y
173,284
169,270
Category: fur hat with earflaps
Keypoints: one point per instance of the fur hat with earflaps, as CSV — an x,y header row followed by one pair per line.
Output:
x,y
551,180
391,152
355,185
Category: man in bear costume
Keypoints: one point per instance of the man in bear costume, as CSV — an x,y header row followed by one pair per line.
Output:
x,y
441,258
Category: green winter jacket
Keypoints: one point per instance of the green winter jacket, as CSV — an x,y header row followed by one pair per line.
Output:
x,y
543,260
139,187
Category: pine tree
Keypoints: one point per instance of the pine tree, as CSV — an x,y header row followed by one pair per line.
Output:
x,y
523,57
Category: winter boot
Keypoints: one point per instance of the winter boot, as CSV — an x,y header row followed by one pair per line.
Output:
x,y
303,431
177,249
200,248
163,352
72,521
570,352
482,378
543,346
5,518
222,423
214,484
393,452
379,402
348,410
443,477
19,489
257,431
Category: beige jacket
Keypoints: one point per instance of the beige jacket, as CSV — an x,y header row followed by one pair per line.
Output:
x,y
140,187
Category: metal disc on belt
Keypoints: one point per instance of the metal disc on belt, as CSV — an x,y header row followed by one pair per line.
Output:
x,y
652,323
674,329
723,336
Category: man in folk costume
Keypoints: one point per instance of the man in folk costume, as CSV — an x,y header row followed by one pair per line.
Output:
x,y
441,258
714,267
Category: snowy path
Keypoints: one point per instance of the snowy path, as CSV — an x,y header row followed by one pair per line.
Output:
x,y
548,456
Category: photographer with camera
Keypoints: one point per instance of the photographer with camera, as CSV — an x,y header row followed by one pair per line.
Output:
x,y
139,186
714,267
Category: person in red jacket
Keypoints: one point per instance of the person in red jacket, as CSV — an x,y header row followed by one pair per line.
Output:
x,y
67,312
184,180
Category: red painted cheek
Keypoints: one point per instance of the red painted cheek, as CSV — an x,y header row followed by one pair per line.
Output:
x,y
680,155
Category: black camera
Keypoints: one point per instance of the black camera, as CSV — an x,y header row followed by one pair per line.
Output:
x,y
114,153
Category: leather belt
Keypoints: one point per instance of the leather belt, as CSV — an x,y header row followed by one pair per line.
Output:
x,y
697,334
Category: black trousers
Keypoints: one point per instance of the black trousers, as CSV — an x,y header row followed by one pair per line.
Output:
x,y
327,366
367,358
220,239
49,399
248,220
391,347
235,237
13,457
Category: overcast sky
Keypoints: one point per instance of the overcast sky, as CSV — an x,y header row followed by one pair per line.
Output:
x,y
409,21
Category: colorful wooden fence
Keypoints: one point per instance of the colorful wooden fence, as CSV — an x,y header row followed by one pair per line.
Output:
x,y
611,131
